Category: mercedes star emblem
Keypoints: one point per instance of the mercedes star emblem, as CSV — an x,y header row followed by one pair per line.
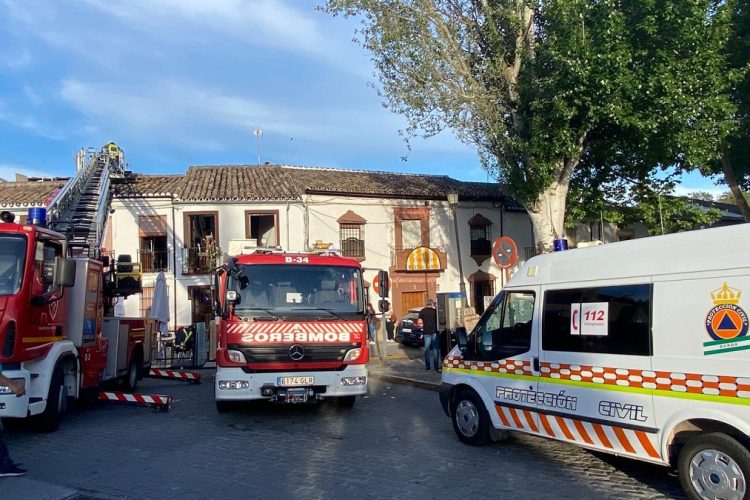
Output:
x,y
296,352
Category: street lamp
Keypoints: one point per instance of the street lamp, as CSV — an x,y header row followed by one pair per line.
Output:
x,y
453,203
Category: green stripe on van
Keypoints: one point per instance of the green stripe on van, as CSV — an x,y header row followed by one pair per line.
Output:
x,y
603,387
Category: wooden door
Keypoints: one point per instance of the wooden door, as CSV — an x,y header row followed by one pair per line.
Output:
x,y
412,299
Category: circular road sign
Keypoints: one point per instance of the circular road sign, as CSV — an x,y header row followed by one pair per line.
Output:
x,y
505,252
376,284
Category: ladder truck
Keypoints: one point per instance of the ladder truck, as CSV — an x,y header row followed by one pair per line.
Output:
x,y
57,291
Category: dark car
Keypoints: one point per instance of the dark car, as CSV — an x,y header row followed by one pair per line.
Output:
x,y
407,332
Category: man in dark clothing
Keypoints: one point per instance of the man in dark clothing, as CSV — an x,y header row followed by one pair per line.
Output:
x,y
428,321
7,467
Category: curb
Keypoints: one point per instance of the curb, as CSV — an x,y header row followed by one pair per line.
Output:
x,y
407,381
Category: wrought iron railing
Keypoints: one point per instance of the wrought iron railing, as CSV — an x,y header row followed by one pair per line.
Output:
x,y
153,261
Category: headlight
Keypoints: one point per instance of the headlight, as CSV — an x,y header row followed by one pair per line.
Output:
x,y
233,384
353,354
236,356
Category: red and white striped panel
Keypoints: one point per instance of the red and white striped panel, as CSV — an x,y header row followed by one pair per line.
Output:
x,y
624,441
179,375
512,366
279,327
145,399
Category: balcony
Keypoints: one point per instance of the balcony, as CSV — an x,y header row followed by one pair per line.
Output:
x,y
419,259
481,250
198,260
153,261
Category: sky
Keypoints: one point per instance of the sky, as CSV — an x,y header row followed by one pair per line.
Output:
x,y
177,83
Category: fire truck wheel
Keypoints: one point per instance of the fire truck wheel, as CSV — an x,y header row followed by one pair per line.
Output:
x,y
134,373
57,401
470,419
714,465
346,401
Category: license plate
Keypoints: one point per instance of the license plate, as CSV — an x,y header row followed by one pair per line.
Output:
x,y
293,381
407,330
297,395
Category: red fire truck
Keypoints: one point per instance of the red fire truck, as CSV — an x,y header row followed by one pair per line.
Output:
x,y
291,328
55,331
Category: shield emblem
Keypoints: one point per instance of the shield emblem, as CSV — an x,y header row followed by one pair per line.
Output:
x,y
53,309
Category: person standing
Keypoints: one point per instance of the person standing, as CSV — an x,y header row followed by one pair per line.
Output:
x,y
7,467
390,320
371,320
428,321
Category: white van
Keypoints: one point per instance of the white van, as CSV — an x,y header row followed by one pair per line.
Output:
x,y
638,348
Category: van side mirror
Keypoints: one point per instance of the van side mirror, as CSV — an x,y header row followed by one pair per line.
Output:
x,y
462,339
65,273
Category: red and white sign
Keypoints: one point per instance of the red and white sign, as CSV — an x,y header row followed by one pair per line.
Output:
x,y
376,284
505,252
589,318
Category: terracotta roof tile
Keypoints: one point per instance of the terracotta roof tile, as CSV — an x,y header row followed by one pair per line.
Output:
x,y
148,186
238,182
26,194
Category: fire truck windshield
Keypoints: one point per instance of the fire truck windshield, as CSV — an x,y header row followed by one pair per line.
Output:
x,y
12,257
297,289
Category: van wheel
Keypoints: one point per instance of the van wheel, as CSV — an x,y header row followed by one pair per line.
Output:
x,y
714,465
57,402
470,419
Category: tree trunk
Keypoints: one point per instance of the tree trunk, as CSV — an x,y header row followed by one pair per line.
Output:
x,y
548,216
729,176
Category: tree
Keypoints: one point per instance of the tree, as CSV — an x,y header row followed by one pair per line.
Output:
x,y
545,89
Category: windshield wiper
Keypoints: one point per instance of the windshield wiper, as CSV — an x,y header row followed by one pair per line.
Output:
x,y
329,311
273,315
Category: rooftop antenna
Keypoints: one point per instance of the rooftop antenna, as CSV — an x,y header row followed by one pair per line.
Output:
x,y
258,133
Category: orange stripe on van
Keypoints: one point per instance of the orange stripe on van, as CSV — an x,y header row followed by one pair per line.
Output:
x,y
564,428
530,420
582,432
501,414
602,435
646,443
623,439
546,425
514,416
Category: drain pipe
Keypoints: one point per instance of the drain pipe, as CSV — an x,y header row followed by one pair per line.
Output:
x,y
174,266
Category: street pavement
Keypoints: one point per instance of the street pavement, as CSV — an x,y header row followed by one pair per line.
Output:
x,y
395,443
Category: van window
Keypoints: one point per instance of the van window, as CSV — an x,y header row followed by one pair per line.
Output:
x,y
506,328
607,320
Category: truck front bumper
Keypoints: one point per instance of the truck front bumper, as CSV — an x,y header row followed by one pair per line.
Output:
x,y
233,384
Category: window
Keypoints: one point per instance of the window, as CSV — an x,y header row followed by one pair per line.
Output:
x,y
147,298
506,330
202,252
153,243
262,227
47,253
607,320
352,240
479,232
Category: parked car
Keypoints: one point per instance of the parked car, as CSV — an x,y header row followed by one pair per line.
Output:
x,y
407,332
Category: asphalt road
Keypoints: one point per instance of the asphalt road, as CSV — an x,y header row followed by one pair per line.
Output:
x,y
395,443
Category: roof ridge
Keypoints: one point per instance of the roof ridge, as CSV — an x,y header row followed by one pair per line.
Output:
x,y
361,171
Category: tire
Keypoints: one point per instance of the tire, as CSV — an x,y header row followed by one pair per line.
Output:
x,y
57,402
470,419
134,373
346,401
714,465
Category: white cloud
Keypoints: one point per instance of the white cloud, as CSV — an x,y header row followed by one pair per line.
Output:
x,y
715,191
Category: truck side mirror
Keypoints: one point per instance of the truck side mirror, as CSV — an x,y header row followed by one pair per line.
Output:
x,y
65,273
